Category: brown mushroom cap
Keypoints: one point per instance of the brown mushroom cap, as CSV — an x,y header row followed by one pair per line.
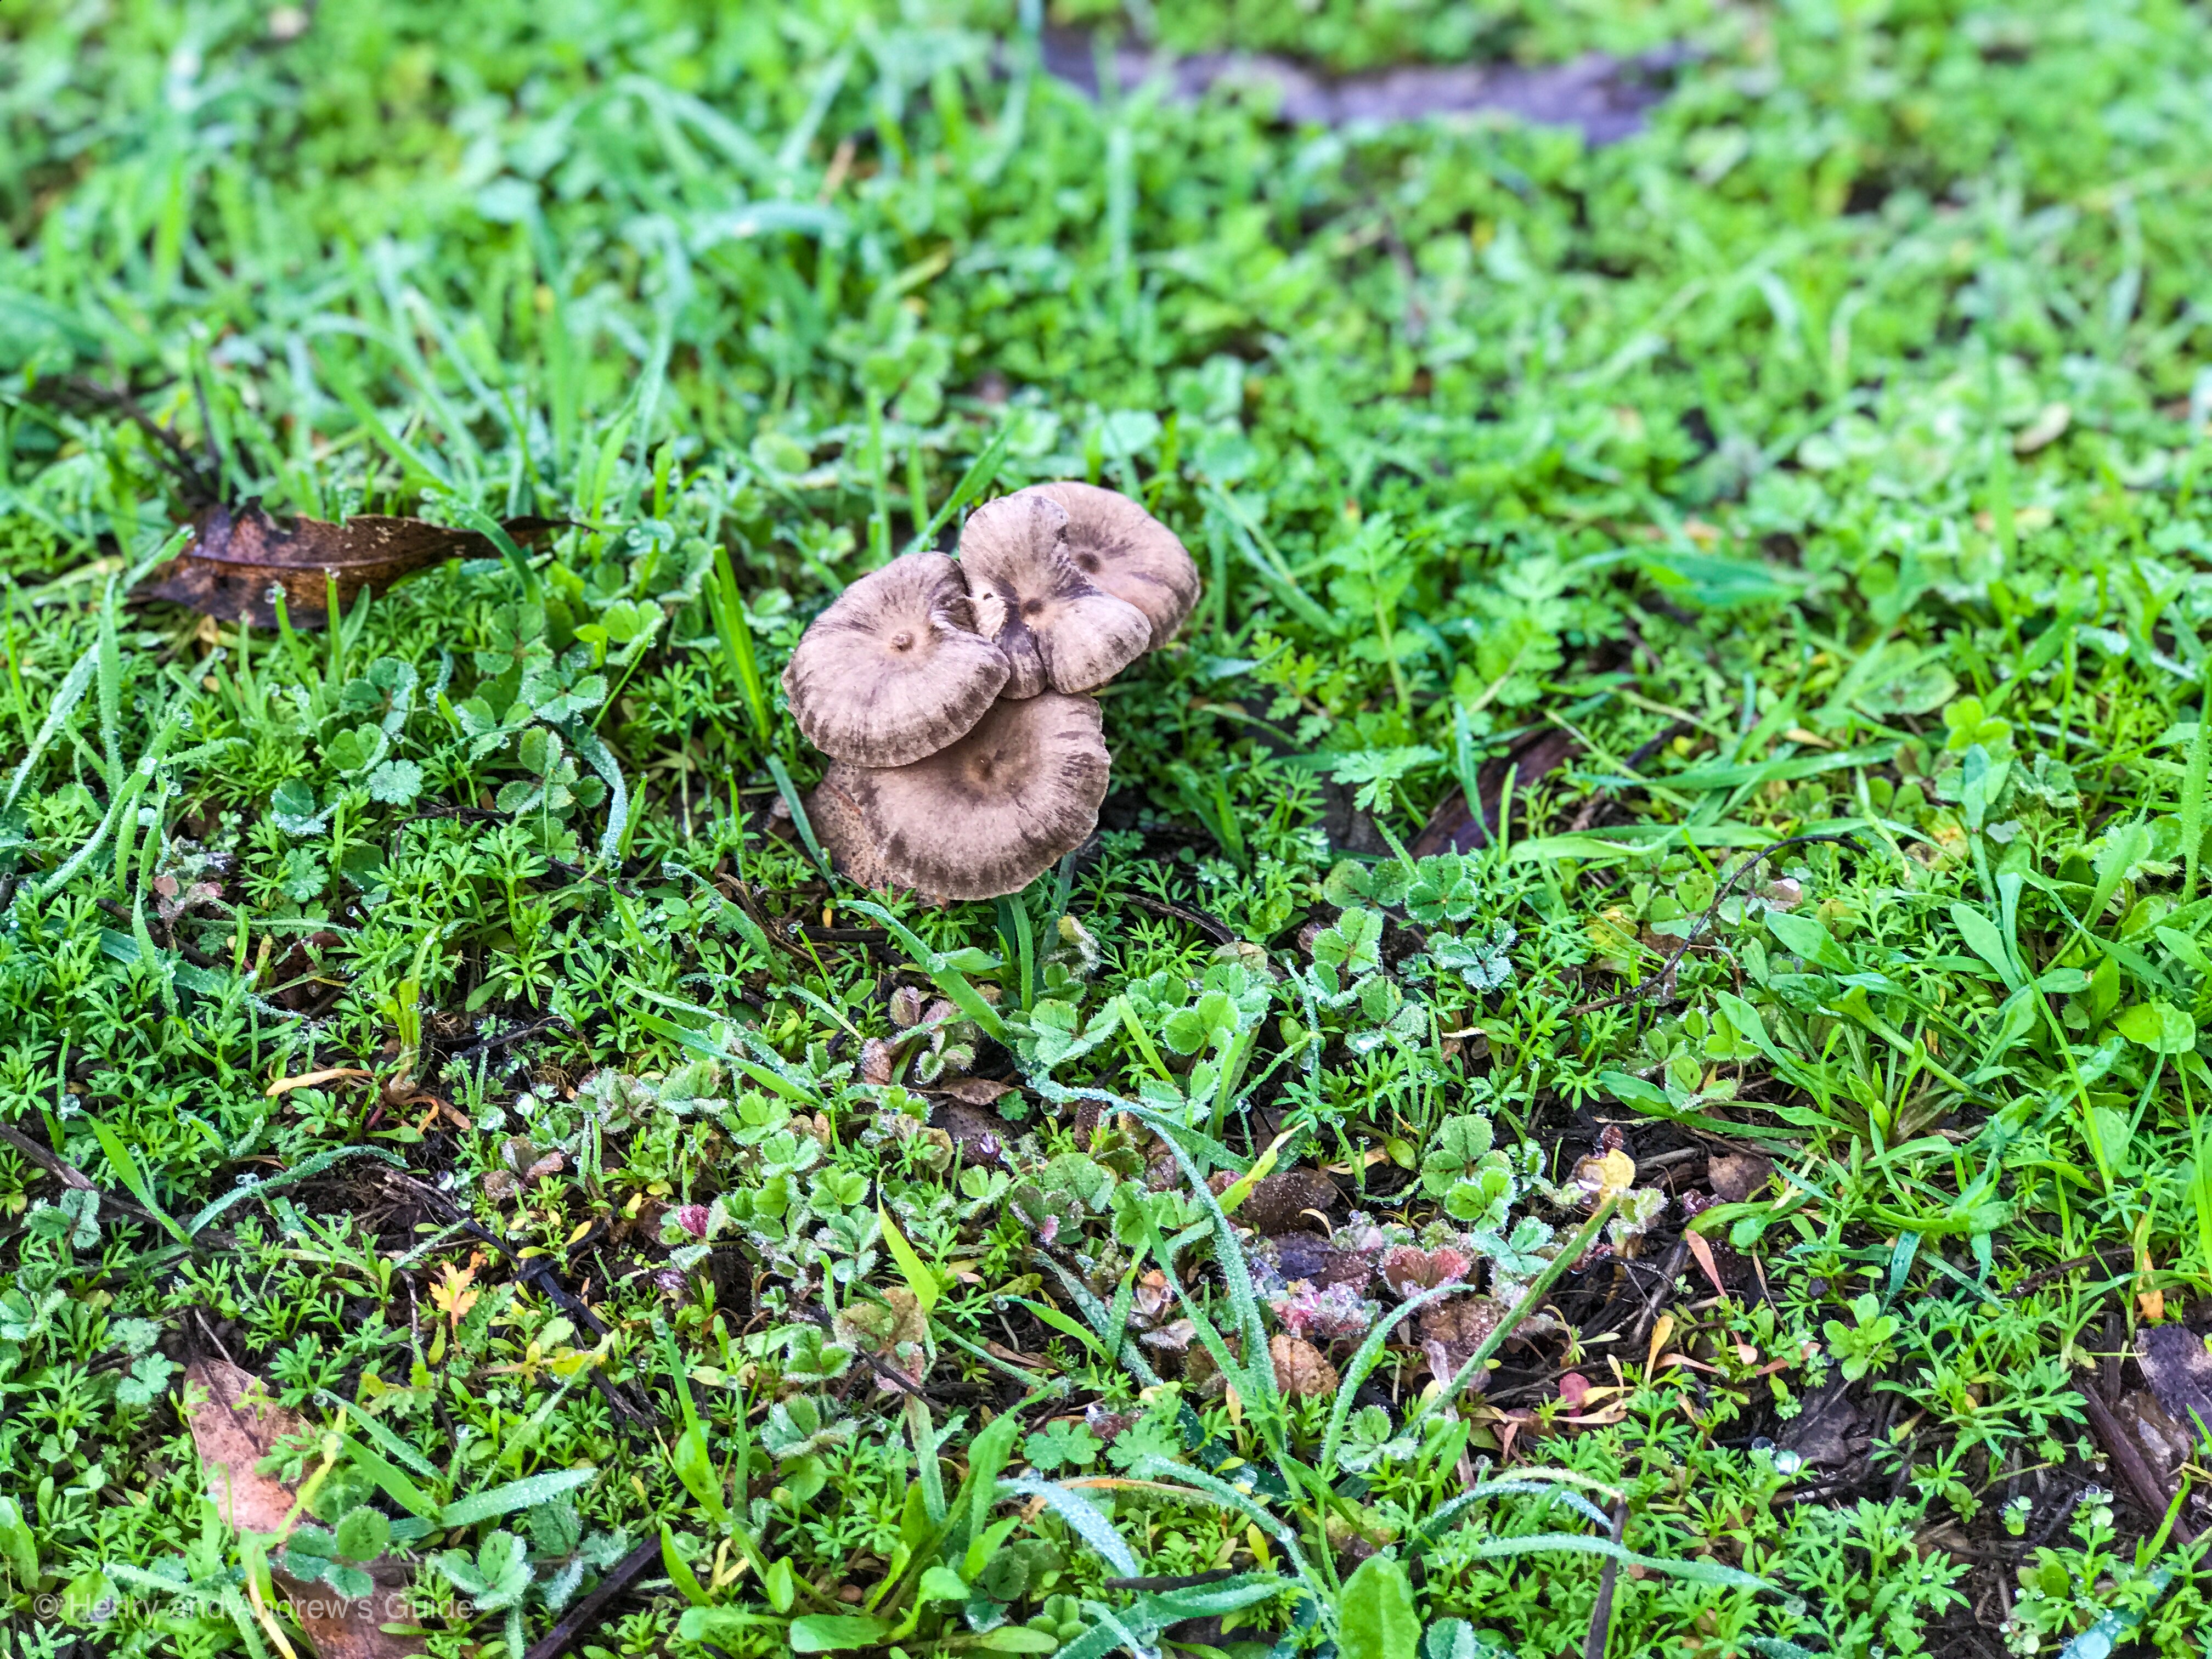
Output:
x,y
1055,627
835,820
993,811
894,669
1124,551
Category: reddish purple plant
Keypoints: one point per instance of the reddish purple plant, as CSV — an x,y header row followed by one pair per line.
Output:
x,y
1334,1314
1409,1270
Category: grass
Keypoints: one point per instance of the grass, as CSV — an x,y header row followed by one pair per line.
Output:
x,y
434,1014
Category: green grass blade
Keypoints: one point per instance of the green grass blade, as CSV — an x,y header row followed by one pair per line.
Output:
x,y
800,821
393,1481
727,609
71,692
1530,1299
382,1433
601,760
1083,1519
127,1171
515,1495
300,1171
1696,1573
475,519
981,473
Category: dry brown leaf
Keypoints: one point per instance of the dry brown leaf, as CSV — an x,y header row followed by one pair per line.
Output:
x,y
1314,1259
974,1091
1302,1371
236,555
1700,1248
981,1137
1739,1177
1454,827
1831,1428
235,1425
1408,1270
878,1060
1451,1331
2179,1371
312,1079
1015,1356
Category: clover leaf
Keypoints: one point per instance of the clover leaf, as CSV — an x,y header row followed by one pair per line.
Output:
x,y
1062,1446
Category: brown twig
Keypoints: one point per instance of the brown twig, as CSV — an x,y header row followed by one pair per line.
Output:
x,y
1665,977
585,1614
1677,1259
889,1374
75,1179
202,480
842,935
68,1173
2148,1491
1600,1623
1220,932
2041,1276
504,1039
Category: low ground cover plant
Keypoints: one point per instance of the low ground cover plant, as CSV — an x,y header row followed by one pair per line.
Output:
x,y
1621,1074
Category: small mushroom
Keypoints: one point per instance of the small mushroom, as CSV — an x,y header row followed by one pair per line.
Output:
x,y
994,810
1126,552
1055,627
894,670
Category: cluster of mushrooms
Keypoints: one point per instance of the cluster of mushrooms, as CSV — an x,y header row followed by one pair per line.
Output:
x,y
951,694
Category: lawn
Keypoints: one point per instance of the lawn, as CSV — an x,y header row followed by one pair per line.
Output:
x,y
1621,1075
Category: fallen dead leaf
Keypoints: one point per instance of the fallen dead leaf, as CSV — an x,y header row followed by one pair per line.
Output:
x,y
1408,1270
284,1085
1014,1356
1455,826
1703,1252
2150,1300
236,555
2180,1372
974,1091
1314,1260
2166,1444
1450,1332
1597,1419
1739,1177
1831,1428
1604,1175
1659,1332
980,1136
235,1425
1302,1371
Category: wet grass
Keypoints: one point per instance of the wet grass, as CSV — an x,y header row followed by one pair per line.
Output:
x,y
1783,524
